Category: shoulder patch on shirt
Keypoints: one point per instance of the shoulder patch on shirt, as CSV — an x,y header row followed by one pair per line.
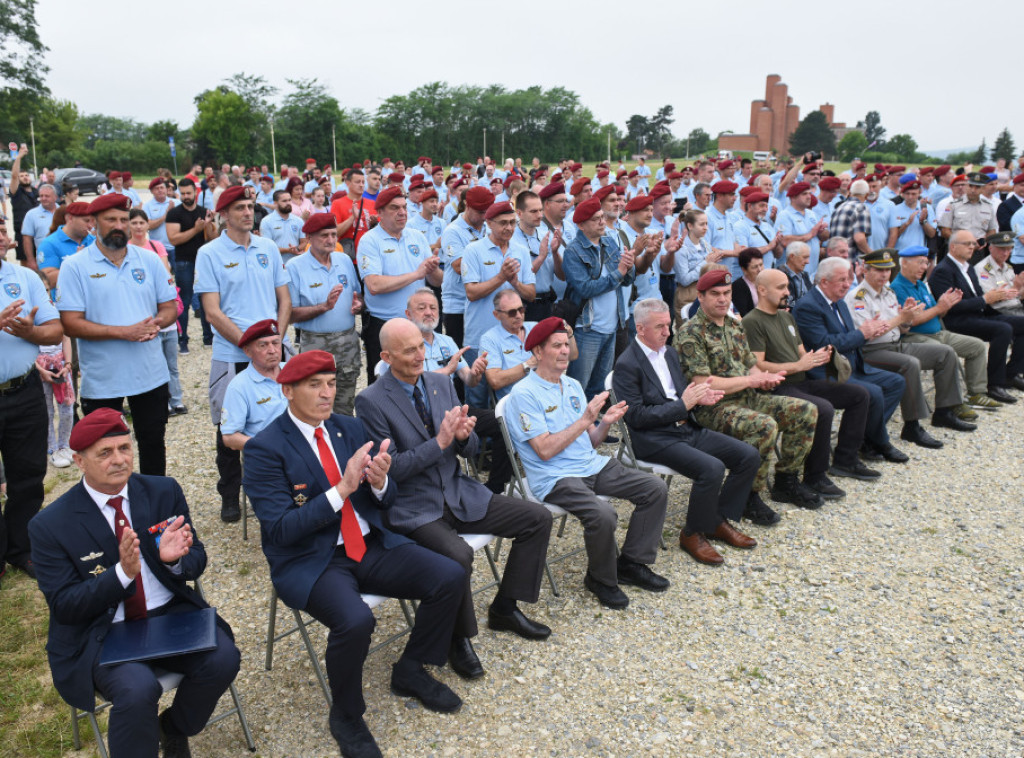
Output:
x,y
524,422
860,295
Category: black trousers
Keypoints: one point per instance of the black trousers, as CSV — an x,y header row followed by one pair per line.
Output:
x,y
454,326
1005,336
703,455
23,449
134,692
408,572
371,342
853,399
149,420
501,466
529,524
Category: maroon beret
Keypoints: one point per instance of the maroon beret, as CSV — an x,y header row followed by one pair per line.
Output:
x,y
157,182
115,175
102,422
317,222
458,183
662,183
670,166
305,365
499,209
633,173
984,170
126,175
911,185
1018,179
620,173
552,189
925,170
232,194
310,160
416,181
813,202
724,187
388,195
467,166
77,209
557,176
602,174
396,177
959,179
750,189
108,201
267,178
859,165
941,171
508,180
542,330
579,185
422,158
604,192
576,167
659,190
880,168
639,202
831,183
495,180
757,197
428,194
436,170
586,210
715,278
479,198
722,165
265,328
796,188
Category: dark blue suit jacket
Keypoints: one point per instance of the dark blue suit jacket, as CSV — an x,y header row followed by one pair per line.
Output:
x,y
947,274
819,327
74,552
287,486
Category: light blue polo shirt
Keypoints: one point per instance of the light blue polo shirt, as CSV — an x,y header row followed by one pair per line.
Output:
x,y
536,406
310,284
36,224
251,401
454,239
264,198
439,352
154,209
914,235
430,229
482,261
644,176
879,211
285,232
505,350
116,296
58,246
381,254
721,235
1017,226
246,278
791,222
21,283
748,236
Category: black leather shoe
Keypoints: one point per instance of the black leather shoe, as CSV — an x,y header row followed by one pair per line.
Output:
x,y
172,744
914,432
353,736
230,512
640,575
463,659
855,470
27,567
517,622
871,453
825,487
945,417
1017,382
789,489
757,511
894,455
609,597
414,681
1000,394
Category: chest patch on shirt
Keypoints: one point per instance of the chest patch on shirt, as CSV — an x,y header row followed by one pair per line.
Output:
x,y
414,250
139,275
574,403
13,290
262,259
343,280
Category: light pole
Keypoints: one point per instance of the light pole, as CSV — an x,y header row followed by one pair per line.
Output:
x,y
32,131
273,148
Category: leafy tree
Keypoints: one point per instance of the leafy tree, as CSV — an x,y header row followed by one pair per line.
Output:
x,y
813,133
853,144
97,127
700,141
225,129
1004,147
304,121
659,127
903,146
873,130
981,154
21,49
159,131
637,131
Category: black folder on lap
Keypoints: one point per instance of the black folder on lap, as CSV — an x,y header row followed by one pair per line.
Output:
x,y
160,637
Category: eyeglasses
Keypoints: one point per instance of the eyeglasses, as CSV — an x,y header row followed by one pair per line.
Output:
x,y
513,312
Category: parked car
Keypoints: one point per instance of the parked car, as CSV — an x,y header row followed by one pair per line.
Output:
x,y
87,180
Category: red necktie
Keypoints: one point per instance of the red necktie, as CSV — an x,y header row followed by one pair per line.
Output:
x,y
355,545
135,605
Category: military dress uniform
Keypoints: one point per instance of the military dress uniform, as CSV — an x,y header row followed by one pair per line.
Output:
x,y
979,218
991,275
754,416
891,353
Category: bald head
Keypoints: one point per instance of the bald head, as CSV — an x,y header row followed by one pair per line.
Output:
x,y
401,346
396,329
772,290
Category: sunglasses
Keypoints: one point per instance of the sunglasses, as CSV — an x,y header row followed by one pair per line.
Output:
x,y
513,312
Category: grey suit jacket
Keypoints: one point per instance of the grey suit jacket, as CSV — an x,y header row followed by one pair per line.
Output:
x,y
428,477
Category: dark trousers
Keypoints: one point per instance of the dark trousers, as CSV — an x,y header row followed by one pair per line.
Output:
x,y
185,279
149,420
1004,335
529,524
501,466
371,342
134,692
408,572
886,389
703,455
23,449
229,469
855,403
537,311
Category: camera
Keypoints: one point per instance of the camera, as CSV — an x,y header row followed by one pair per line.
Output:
x,y
812,157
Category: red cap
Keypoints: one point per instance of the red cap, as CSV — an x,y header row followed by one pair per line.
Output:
x,y
305,365
232,194
813,202
422,158
77,209
859,165
556,176
604,192
479,198
830,183
633,173
745,192
796,188
388,195
318,222
941,171
467,166
115,175
508,180
722,165
960,179
436,170
428,194
639,202
579,185
541,331
108,201
267,178
620,173
458,183
988,169
674,175
724,187
126,175
926,170
659,190
102,422
499,209
157,182
552,189
310,161
586,210
396,177
670,166
757,197
1018,179
715,278
265,328
602,174
416,181
576,167
911,185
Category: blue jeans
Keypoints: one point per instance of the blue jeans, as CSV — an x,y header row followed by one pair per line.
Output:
x,y
597,351
185,279
169,342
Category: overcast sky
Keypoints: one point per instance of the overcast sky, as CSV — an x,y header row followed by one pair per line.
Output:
x,y
887,56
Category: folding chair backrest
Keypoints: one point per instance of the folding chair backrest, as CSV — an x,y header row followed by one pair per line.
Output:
x,y
518,485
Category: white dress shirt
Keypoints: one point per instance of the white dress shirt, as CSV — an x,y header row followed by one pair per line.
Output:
x,y
660,365
964,267
157,594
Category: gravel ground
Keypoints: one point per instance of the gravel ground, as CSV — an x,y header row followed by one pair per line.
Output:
x,y
886,623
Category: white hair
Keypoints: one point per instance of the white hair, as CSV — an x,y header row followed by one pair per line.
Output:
x,y
829,268
860,187
644,309
797,247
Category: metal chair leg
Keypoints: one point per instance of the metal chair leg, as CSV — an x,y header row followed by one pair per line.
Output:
x,y
101,745
242,719
271,626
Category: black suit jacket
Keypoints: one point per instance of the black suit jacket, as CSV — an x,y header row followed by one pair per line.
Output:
x,y
74,552
742,300
652,417
1005,212
947,274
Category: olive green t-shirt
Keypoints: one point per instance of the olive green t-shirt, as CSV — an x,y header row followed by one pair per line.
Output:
x,y
777,337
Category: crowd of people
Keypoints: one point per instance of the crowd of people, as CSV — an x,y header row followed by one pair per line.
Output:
x,y
713,316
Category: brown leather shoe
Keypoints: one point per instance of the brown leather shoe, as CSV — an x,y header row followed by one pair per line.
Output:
x,y
698,547
730,535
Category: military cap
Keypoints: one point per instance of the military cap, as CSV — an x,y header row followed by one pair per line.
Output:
x,y
305,365
941,170
317,222
797,188
1000,239
830,183
552,189
112,200
542,330
265,328
978,179
911,185
659,190
586,210
724,187
479,198
388,195
78,208
102,422
499,209
714,278
757,197
604,192
639,202
579,185
156,182
884,258
426,195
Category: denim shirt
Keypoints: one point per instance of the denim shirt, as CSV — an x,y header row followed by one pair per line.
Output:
x,y
579,264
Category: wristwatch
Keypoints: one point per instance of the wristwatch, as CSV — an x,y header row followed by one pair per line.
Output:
x,y
526,367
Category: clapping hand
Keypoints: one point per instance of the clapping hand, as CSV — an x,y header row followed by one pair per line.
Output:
x,y
614,413
175,541
354,468
131,558
701,394
377,471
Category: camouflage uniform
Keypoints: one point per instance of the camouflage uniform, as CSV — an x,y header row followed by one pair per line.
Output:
x,y
753,416
344,346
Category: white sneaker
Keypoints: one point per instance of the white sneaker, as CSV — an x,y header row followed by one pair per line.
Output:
x,y
66,452
59,460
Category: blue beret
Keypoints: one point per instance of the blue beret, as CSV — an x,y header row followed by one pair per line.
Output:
x,y
913,251
907,178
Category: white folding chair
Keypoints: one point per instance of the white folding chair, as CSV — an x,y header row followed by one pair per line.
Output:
x,y
169,680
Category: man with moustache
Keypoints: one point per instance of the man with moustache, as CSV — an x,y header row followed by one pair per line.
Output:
x,y
283,228
189,226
